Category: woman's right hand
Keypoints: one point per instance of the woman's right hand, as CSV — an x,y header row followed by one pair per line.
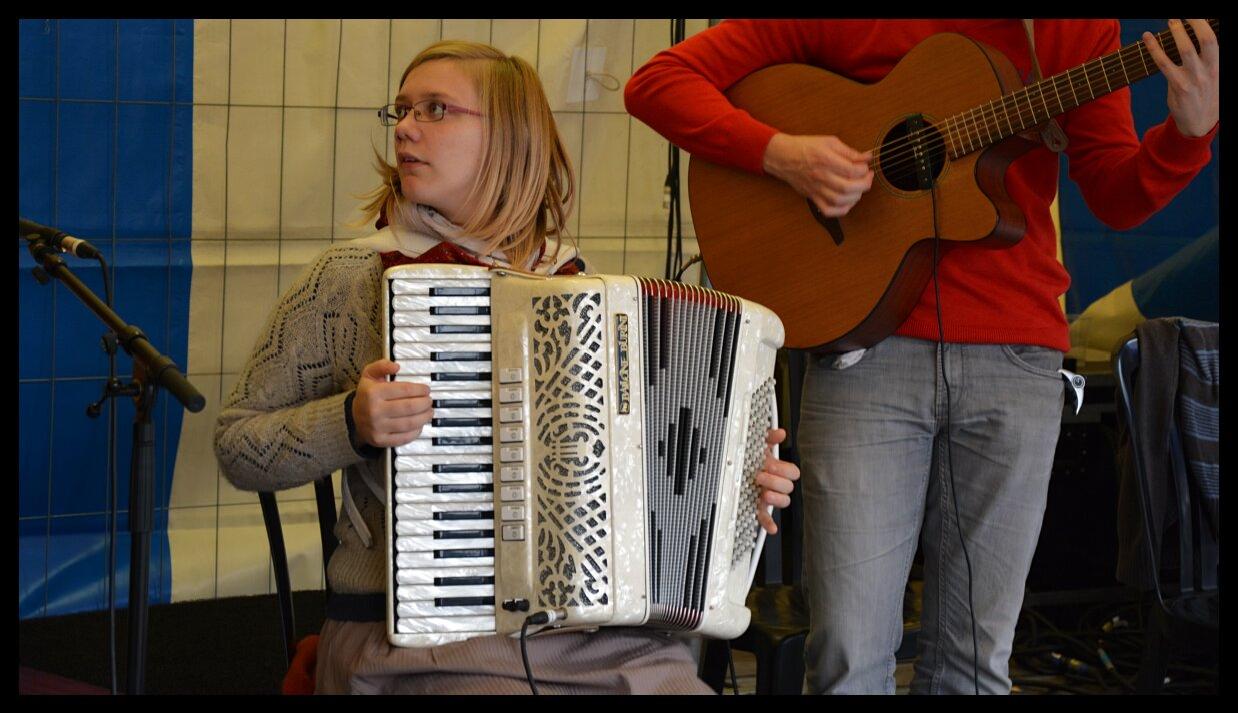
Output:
x,y
389,413
823,169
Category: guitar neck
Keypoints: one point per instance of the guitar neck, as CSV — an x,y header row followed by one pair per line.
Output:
x,y
1035,104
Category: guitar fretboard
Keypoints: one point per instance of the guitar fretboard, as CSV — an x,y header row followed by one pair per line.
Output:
x,y
1036,103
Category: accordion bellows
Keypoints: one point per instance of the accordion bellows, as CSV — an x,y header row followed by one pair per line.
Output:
x,y
592,453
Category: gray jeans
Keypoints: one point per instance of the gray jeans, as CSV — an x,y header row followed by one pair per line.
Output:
x,y
876,476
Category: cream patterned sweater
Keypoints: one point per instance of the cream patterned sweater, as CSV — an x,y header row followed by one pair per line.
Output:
x,y
284,423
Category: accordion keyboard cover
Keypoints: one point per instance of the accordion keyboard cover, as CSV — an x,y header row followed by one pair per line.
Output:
x,y
592,453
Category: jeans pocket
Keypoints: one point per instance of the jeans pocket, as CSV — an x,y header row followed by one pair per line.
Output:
x,y
1041,361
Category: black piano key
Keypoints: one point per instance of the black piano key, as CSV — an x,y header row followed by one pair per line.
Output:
x,y
461,403
476,376
459,291
459,309
463,488
463,601
464,515
463,554
462,534
460,329
459,356
460,422
462,441
461,581
462,468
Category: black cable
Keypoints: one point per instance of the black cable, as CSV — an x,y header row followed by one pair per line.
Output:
x,y
684,267
537,619
941,349
524,651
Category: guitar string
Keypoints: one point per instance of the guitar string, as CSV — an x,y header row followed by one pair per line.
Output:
x,y
1165,38
903,150
896,154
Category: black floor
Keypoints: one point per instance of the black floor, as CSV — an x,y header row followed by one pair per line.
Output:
x,y
207,647
234,646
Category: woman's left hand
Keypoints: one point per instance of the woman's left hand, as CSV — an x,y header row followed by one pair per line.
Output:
x,y
776,480
1194,85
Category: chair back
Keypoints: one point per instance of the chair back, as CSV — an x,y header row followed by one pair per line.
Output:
x,y
1191,539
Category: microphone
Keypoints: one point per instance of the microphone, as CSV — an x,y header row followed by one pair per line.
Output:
x,y
58,239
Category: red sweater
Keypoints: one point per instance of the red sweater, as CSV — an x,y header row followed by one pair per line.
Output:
x,y
988,296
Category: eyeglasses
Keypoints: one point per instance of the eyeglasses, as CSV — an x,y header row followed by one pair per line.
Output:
x,y
426,110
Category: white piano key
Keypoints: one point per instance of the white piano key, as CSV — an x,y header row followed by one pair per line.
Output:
x,y
421,366
420,625
422,350
441,389
429,574
403,333
426,495
409,526
479,392
425,302
440,412
420,286
412,593
428,510
421,479
430,431
429,610
409,318
415,543
424,446
405,464
415,560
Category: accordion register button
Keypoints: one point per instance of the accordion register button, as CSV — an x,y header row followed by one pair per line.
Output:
x,y
510,394
513,532
511,375
511,434
513,512
512,474
511,454
511,492
508,414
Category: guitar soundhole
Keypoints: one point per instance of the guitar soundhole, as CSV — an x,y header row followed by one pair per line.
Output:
x,y
912,155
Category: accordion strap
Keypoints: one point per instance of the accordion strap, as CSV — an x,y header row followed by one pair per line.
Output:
x,y
1050,132
356,607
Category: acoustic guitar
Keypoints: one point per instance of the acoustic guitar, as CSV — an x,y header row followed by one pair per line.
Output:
x,y
948,119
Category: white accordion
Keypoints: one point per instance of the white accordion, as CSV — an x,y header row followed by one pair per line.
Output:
x,y
591,454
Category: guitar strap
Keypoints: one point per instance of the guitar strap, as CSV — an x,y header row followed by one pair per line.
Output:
x,y
1050,133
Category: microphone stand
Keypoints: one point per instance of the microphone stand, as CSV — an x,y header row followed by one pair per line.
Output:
x,y
151,370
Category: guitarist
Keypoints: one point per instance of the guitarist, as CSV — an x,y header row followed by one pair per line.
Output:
x,y
891,451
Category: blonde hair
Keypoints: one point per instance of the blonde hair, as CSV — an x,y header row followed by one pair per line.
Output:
x,y
524,188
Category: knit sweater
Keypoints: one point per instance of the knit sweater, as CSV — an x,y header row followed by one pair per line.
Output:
x,y
285,422
988,296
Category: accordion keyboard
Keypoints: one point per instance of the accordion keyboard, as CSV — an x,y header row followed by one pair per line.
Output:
x,y
444,509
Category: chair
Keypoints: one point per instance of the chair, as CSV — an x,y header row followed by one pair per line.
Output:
x,y
1191,599
324,495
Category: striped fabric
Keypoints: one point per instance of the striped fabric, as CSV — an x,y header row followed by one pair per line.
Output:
x,y
1198,413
